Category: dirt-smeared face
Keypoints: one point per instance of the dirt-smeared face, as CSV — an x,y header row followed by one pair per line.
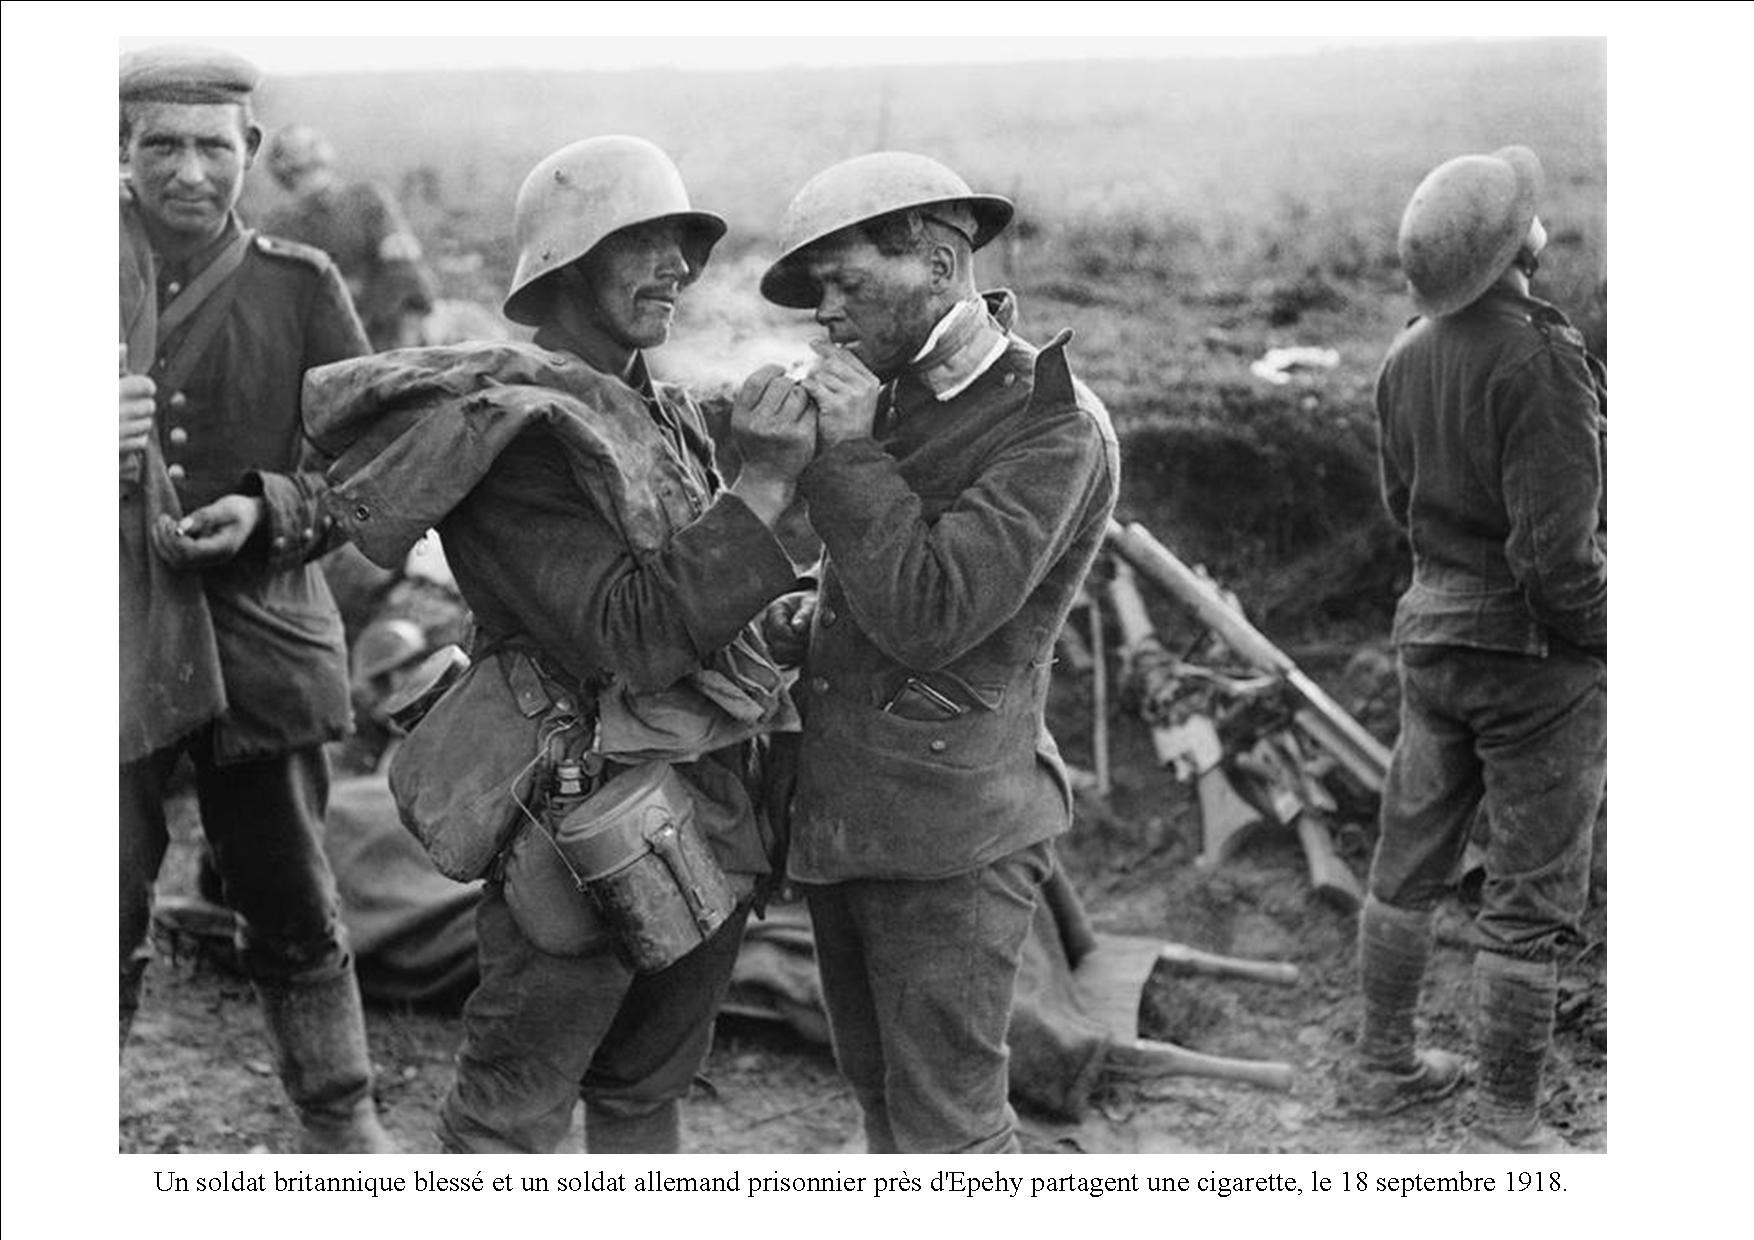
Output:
x,y
635,276
879,306
187,162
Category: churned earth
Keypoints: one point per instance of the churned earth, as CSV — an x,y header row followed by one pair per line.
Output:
x,y
197,1075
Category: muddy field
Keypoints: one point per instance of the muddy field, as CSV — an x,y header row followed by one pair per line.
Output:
x,y
1249,230
197,1075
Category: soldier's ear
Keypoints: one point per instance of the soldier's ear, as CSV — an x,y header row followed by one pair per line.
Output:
x,y
941,262
252,143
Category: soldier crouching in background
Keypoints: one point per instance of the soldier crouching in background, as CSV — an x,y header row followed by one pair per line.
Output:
x,y
231,645
614,582
1493,461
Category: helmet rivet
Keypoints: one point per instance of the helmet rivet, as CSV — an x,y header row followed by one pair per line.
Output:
x,y
624,181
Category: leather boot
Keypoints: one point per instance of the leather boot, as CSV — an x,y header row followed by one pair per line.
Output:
x,y
318,1032
1389,1073
1514,1001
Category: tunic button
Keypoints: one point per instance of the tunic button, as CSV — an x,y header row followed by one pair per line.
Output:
x,y
176,473
280,542
362,512
819,685
828,617
938,746
1010,378
178,400
179,436
173,288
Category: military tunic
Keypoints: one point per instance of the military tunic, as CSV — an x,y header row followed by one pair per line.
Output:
x,y
1493,450
958,535
585,520
233,426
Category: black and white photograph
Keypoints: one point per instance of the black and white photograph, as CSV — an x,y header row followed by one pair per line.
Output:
x,y
780,593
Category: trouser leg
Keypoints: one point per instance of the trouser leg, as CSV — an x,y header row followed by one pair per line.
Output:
x,y
940,968
530,1030
1434,787
142,843
1429,802
852,1007
634,1087
1546,754
1546,750
264,819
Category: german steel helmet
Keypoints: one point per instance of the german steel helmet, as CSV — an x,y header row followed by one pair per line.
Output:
x,y
1464,225
580,194
384,646
862,189
296,149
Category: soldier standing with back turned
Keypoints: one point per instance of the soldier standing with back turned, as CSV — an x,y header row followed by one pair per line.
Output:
x,y
1493,446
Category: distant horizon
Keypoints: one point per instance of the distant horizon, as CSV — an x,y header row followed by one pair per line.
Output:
x,y
306,56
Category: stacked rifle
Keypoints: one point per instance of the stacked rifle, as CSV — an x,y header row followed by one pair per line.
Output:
x,y
1234,715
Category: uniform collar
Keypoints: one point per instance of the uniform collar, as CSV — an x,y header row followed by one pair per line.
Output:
x,y
180,273
1501,299
638,377
960,349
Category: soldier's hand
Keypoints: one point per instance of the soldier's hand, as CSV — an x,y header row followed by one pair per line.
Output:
x,y
774,423
208,536
775,426
137,409
785,624
845,393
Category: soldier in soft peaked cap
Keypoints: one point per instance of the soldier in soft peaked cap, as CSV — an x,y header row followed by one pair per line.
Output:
x,y
962,484
231,650
1493,445
187,74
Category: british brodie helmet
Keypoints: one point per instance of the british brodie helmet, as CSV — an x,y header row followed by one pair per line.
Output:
x,y
861,189
580,194
1464,226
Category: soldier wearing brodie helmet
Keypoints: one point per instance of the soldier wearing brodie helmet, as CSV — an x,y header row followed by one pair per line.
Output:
x,y
231,649
962,486
593,539
1492,421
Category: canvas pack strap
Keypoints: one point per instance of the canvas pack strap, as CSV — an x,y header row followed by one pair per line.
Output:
x,y
202,305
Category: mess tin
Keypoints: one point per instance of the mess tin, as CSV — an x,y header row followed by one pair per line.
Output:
x,y
642,857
